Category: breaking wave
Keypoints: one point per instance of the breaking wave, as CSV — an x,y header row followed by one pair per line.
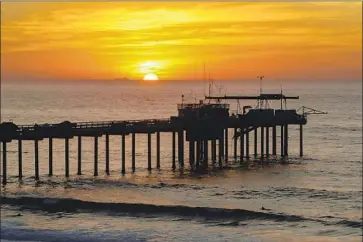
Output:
x,y
70,205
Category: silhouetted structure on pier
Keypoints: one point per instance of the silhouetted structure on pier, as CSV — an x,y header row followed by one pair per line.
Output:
x,y
201,125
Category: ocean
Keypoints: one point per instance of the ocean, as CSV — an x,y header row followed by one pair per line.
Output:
x,y
314,198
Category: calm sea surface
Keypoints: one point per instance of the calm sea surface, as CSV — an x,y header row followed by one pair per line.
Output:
x,y
314,198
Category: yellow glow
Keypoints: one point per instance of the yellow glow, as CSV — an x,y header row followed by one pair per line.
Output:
x,y
149,66
107,40
151,77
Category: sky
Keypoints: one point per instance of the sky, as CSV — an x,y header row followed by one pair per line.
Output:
x,y
181,40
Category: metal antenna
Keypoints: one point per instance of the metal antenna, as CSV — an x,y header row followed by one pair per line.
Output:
x,y
261,101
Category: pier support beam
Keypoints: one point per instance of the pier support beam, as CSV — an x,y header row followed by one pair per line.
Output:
x,y
267,141
274,140
4,163
286,140
226,145
242,144
247,144
255,142
107,165
20,159
123,156
79,167
66,156
50,158
181,148
95,172
235,144
158,150
262,141
191,153
173,150
133,141
301,140
282,140
36,159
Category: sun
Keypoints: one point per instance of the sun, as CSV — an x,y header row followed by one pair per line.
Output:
x,y
151,77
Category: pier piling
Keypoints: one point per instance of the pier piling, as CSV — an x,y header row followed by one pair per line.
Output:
x,y
255,142
198,153
123,156
262,141
206,153
242,144
282,140
4,163
66,156
267,141
286,140
158,150
248,144
79,167
20,159
36,159
133,141
107,151
173,150
226,145
50,158
149,151
235,144
274,140
214,150
191,152
95,172
181,148
220,147
301,140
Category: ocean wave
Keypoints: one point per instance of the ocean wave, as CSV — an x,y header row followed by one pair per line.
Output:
x,y
70,205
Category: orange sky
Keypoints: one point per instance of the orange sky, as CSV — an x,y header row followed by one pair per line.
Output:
x,y
93,40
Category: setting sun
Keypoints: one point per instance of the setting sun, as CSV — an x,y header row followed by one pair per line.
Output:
x,y
151,77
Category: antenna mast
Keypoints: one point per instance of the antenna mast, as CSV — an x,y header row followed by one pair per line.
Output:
x,y
261,101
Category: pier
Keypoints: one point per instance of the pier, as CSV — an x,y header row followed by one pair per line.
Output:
x,y
203,126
